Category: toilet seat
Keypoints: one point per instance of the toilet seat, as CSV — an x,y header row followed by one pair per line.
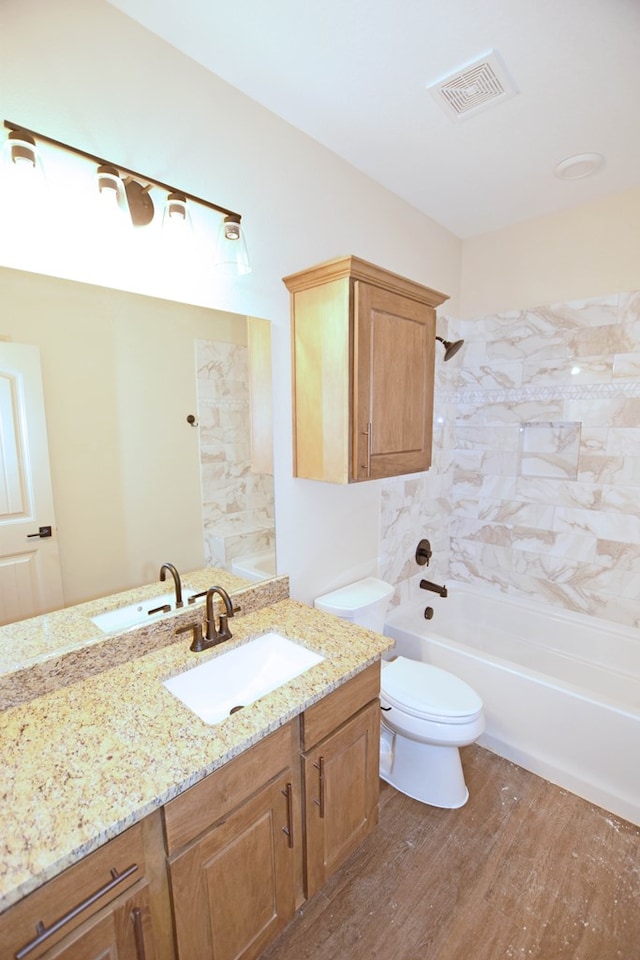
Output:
x,y
428,693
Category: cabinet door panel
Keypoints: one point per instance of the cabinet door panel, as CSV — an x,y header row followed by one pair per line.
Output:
x,y
97,940
121,931
341,794
395,350
233,889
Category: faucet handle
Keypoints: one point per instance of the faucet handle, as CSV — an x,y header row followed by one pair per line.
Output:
x,y
196,596
198,643
223,628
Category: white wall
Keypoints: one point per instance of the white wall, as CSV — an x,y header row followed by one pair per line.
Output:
x,y
81,72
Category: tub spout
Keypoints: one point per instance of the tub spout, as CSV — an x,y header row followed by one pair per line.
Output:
x,y
434,587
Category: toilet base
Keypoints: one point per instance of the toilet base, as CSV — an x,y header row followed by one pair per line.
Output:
x,y
423,771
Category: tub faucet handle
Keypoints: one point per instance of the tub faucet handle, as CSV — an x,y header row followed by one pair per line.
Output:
x,y
423,553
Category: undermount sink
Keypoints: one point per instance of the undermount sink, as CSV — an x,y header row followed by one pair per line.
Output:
x,y
235,679
136,613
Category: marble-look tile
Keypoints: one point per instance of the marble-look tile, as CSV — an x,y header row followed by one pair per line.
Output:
x,y
593,439
549,450
629,307
573,545
623,441
516,513
596,469
621,412
559,492
618,556
621,498
477,437
516,367
484,375
614,526
567,370
495,486
626,366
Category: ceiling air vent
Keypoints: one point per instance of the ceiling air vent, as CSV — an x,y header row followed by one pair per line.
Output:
x,y
474,87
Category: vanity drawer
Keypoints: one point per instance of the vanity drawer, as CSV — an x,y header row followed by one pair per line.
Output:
x,y
74,896
222,791
328,714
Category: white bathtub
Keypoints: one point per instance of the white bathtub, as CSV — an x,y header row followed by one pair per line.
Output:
x,y
561,691
255,568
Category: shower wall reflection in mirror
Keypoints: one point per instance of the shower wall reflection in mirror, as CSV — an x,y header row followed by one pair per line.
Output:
x,y
160,433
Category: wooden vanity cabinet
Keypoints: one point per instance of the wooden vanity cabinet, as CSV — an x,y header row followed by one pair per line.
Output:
x,y
363,348
341,738
235,853
112,905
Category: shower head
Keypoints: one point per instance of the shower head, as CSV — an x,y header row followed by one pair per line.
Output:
x,y
450,348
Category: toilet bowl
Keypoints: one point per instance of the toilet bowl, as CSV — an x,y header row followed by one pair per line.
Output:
x,y
427,713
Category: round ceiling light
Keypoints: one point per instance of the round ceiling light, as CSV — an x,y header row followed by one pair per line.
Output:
x,y
579,166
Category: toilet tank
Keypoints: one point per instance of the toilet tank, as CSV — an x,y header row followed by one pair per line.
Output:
x,y
364,602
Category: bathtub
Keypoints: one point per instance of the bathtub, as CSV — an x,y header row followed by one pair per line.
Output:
x,y
561,691
255,568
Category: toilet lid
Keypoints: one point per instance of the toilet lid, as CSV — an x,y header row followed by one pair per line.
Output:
x,y
423,690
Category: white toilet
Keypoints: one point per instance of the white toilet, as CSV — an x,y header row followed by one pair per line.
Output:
x,y
427,713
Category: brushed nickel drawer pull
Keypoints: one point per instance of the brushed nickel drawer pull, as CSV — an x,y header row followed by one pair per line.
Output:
x,y
320,803
138,932
288,793
43,933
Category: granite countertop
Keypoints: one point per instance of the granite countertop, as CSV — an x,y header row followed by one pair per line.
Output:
x,y
43,653
87,760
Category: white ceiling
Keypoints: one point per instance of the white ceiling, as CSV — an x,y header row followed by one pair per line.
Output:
x,y
352,74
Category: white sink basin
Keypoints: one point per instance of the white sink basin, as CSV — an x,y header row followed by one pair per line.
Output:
x,y
136,613
234,679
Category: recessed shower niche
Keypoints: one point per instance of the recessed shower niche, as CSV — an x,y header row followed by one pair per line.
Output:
x,y
549,450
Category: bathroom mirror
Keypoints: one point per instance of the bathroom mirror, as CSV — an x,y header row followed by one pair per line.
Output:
x,y
151,458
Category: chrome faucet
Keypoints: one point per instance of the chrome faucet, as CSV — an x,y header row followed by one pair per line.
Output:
x,y
176,581
223,632
434,587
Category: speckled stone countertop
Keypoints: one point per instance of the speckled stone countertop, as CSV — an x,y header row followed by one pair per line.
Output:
x,y
85,761
43,653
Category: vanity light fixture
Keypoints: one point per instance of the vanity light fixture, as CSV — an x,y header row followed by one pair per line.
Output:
x,y
112,196
20,149
176,216
21,163
128,190
231,249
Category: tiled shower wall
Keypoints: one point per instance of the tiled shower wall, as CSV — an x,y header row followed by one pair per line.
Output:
x,y
538,493
238,504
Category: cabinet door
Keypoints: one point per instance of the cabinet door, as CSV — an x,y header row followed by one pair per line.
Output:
x,y
233,889
341,794
394,350
121,931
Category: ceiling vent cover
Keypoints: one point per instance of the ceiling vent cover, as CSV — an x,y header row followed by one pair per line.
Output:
x,y
474,87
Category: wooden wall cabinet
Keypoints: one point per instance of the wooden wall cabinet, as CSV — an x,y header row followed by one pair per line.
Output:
x,y
112,905
363,348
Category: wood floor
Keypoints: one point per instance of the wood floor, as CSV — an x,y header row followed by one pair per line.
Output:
x,y
524,870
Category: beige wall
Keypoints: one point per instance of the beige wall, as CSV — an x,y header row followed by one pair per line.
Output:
x,y
119,380
588,251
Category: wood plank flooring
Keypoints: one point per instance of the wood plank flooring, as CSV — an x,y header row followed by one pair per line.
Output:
x,y
524,870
